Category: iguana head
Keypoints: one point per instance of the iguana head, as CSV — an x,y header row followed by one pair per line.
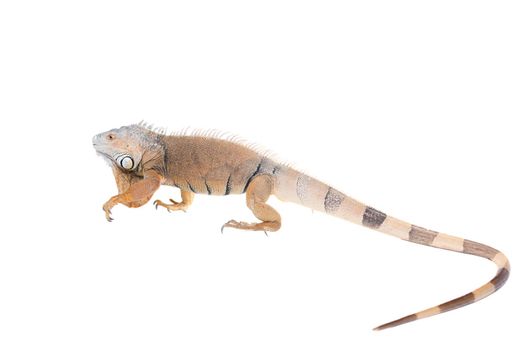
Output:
x,y
128,147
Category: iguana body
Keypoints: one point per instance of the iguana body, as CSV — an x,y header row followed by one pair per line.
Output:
x,y
143,160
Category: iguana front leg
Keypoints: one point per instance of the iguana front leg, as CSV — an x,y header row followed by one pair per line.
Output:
x,y
137,193
257,193
124,180
187,199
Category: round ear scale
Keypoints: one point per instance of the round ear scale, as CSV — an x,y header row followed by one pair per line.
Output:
x,y
126,162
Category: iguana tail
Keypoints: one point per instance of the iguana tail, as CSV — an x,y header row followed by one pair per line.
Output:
x,y
294,186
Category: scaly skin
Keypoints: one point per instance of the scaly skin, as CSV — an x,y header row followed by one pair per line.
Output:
x,y
143,160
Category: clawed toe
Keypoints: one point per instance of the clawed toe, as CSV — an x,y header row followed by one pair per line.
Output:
x,y
231,223
174,206
262,226
107,212
108,215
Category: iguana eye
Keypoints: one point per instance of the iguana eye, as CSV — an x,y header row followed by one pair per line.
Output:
x,y
126,162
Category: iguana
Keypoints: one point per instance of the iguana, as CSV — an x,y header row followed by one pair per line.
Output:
x,y
143,159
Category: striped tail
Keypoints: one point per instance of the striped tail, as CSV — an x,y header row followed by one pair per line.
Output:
x,y
440,240
296,187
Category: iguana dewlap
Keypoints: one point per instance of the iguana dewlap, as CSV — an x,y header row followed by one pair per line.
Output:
x,y
143,159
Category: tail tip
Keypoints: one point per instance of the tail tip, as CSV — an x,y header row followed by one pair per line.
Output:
x,y
398,322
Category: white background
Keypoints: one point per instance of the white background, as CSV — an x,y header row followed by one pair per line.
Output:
x,y
413,107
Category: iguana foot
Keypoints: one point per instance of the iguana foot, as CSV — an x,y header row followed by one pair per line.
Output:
x,y
107,209
108,215
261,226
170,207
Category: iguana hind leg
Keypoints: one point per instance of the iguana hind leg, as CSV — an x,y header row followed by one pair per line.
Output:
x,y
187,199
257,193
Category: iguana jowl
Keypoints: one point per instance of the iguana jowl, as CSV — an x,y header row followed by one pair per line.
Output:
x,y
143,159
